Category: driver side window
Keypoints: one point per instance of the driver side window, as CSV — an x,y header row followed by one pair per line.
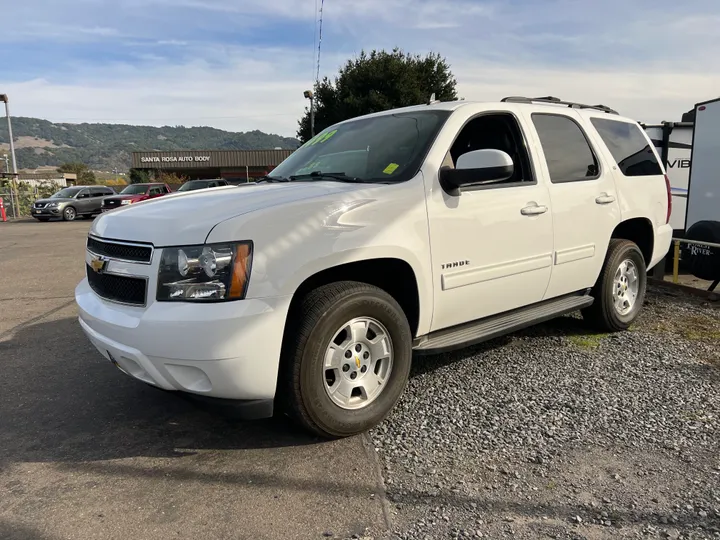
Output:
x,y
497,132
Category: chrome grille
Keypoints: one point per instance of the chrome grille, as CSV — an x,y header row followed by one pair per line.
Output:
x,y
121,251
123,289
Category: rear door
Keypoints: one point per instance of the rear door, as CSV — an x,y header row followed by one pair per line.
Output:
x,y
583,197
96,197
639,177
704,185
84,201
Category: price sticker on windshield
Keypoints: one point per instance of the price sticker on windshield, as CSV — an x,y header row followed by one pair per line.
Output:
x,y
319,139
391,168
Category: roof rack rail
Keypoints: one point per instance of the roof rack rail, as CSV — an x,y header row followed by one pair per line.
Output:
x,y
557,101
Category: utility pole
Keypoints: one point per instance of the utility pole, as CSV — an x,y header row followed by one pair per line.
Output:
x,y
309,95
13,182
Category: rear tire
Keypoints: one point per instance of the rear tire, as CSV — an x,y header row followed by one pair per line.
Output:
x,y
620,290
346,359
69,214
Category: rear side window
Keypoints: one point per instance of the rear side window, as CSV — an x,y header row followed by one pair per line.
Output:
x,y
628,146
567,151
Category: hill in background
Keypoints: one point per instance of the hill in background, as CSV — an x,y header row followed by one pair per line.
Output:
x,y
40,143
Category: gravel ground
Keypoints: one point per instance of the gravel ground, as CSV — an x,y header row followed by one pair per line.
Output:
x,y
557,433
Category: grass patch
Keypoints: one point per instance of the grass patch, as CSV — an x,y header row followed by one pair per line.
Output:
x,y
692,328
587,341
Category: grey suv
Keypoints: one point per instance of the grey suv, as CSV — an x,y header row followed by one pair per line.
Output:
x,y
71,202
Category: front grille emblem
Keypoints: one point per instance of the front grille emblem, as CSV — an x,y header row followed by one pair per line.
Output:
x,y
98,264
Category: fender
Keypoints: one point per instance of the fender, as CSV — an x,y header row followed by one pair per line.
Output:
x,y
373,222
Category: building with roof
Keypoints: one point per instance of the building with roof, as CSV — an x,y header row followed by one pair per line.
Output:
x,y
44,178
232,165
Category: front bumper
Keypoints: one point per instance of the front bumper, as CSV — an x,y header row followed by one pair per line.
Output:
x,y
223,350
45,212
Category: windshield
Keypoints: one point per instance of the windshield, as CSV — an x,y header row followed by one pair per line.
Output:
x,y
191,186
67,193
387,148
135,189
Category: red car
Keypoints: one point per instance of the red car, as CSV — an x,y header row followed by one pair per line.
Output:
x,y
134,193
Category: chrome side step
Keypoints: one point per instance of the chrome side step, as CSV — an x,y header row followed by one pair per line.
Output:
x,y
481,330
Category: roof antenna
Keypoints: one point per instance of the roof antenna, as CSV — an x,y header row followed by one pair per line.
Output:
x,y
432,99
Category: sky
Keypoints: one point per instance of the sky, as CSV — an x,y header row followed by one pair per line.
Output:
x,y
242,65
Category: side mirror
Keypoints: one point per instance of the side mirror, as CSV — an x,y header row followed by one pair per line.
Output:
x,y
478,168
83,195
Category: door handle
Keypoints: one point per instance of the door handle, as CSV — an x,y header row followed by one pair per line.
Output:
x,y
533,210
605,199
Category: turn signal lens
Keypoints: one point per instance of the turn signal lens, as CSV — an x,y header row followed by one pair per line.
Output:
x,y
241,271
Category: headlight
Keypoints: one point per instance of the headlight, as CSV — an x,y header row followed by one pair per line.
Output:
x,y
213,272
125,201
52,205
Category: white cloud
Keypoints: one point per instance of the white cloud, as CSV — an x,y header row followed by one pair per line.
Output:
x,y
647,96
249,93
650,59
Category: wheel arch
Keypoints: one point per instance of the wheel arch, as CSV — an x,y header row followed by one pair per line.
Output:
x,y
393,275
640,231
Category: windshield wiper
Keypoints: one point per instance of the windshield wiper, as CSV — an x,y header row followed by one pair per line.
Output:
x,y
268,178
340,177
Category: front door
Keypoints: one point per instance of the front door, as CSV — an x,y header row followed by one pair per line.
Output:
x,y
491,246
84,202
584,200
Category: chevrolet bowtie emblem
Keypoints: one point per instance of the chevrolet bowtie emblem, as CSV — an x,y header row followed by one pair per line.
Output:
x,y
98,264
357,362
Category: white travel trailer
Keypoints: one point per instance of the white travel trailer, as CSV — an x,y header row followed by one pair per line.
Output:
x,y
673,141
691,152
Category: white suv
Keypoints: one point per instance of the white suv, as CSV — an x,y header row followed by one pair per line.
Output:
x,y
416,230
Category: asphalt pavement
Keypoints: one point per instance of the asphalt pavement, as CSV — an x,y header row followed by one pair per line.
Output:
x,y
88,453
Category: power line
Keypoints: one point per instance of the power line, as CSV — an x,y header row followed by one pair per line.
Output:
x,y
315,35
317,76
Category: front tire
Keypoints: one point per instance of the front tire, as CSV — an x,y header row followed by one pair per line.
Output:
x,y
346,359
620,290
69,214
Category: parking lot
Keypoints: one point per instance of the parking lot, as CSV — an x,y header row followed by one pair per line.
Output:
x,y
86,452
551,433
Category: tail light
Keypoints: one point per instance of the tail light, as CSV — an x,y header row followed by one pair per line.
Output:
x,y
669,199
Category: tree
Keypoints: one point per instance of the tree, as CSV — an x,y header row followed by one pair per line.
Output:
x,y
171,178
85,176
139,176
377,82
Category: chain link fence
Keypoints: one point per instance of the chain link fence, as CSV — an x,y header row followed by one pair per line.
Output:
x,y
19,201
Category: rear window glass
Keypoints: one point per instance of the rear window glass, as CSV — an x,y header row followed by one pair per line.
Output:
x,y
567,151
628,146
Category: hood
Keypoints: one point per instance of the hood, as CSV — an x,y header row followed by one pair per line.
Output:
x,y
124,197
56,199
187,218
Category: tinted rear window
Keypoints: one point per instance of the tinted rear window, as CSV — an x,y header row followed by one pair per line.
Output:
x,y
628,146
567,151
